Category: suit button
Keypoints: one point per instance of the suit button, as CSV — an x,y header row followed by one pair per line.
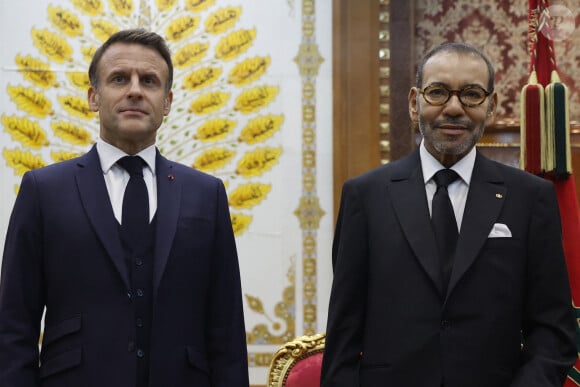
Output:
x,y
131,346
139,261
139,323
140,353
140,293
445,324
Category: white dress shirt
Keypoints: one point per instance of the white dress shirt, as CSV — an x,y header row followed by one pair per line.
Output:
x,y
116,178
458,189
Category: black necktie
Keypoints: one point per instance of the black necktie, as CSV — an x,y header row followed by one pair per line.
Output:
x,y
135,218
444,223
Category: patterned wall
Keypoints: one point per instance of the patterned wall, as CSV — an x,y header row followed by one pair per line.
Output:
x,y
499,28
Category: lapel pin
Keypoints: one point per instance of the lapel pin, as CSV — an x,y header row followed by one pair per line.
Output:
x,y
170,177
498,195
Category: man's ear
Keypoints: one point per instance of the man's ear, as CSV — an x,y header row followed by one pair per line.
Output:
x,y
492,109
93,99
167,103
413,109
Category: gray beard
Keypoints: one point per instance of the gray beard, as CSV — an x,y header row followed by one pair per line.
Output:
x,y
450,149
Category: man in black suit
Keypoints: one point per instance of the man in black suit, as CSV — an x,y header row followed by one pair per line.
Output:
x,y
497,312
160,308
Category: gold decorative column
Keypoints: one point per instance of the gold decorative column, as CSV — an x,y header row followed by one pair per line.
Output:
x,y
309,212
384,81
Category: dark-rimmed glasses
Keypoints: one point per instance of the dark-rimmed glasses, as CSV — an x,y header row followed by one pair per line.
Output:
x,y
437,94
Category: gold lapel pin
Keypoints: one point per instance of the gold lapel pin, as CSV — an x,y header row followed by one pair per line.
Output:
x,y
170,177
498,195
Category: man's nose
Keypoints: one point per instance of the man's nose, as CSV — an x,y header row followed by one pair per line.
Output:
x,y
453,106
134,86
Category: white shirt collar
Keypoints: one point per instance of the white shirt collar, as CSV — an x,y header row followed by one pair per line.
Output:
x,y
431,165
109,155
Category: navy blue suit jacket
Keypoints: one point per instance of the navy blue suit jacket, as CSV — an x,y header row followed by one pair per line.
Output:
x,y
63,251
389,323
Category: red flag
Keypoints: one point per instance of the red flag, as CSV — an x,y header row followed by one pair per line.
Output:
x,y
555,148
568,203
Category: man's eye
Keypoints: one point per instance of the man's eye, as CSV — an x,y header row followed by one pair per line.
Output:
x,y
437,92
118,79
149,81
472,94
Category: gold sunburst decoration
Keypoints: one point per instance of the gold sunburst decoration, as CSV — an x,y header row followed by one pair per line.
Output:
x,y
220,122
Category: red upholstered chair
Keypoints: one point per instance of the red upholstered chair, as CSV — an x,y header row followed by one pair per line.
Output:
x,y
298,363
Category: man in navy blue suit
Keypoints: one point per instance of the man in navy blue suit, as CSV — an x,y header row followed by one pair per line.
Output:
x,y
497,312
163,310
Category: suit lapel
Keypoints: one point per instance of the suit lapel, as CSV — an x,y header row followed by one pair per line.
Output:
x,y
484,202
168,203
95,200
407,193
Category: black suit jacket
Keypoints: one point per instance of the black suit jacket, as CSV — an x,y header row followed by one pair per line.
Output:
x,y
390,325
63,251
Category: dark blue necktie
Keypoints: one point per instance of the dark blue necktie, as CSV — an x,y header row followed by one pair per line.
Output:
x,y
444,223
135,218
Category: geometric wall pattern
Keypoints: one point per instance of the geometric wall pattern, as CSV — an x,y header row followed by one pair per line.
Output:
x,y
499,28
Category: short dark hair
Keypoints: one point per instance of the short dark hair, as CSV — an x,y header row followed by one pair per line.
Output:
x,y
133,36
457,47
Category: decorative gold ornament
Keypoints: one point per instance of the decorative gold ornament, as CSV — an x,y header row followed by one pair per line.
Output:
x,y
291,352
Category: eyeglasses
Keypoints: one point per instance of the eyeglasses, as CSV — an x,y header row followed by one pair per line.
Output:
x,y
470,96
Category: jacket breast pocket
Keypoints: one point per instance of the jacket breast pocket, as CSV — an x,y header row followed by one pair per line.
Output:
x,y
502,259
193,224
503,243
193,236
